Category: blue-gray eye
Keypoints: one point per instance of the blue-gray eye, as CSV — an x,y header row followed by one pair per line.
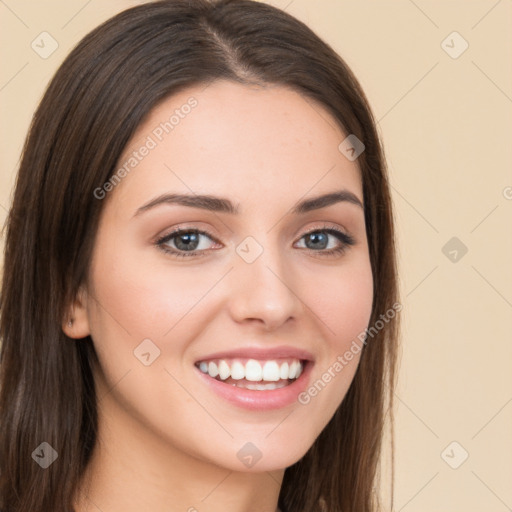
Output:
x,y
318,241
185,242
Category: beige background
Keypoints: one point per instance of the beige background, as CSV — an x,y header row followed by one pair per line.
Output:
x,y
446,124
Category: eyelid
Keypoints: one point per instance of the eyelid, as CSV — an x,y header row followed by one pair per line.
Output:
x,y
185,227
328,226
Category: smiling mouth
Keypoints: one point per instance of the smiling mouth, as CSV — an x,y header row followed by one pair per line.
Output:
x,y
253,374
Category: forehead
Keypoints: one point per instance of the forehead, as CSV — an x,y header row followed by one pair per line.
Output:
x,y
251,142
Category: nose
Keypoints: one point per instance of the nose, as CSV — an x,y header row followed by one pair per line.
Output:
x,y
264,291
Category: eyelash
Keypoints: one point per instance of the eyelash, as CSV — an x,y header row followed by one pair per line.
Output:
x,y
345,239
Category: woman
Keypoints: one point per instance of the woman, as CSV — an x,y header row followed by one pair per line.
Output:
x,y
199,301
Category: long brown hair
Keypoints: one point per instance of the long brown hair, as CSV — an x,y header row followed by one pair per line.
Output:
x,y
92,107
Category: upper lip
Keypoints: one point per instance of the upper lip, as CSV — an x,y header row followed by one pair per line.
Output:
x,y
261,353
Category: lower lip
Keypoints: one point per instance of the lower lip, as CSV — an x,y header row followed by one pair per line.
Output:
x,y
257,400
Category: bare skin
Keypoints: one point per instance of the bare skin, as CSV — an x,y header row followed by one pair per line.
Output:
x,y
167,442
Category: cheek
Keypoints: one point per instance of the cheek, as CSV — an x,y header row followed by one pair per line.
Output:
x,y
139,300
343,302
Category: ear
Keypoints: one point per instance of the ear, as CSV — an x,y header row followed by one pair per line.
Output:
x,y
76,322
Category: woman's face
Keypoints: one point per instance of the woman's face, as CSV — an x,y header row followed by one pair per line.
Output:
x,y
245,290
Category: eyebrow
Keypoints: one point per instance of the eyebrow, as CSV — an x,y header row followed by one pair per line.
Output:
x,y
223,205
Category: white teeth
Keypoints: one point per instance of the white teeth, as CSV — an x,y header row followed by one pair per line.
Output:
x,y
284,371
213,371
293,370
271,371
224,372
237,370
261,387
253,370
